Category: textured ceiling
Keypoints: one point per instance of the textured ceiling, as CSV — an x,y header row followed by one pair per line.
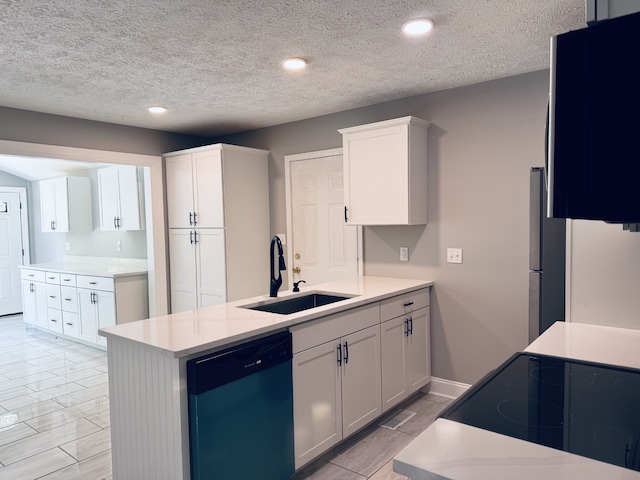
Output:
x,y
216,64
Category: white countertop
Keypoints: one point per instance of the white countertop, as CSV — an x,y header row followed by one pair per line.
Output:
x,y
97,266
450,450
186,333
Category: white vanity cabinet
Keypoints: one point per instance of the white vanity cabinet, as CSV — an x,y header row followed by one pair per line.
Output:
x,y
405,352
385,172
120,198
336,379
218,215
65,204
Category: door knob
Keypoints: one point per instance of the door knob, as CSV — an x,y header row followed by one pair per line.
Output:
x,y
296,270
297,256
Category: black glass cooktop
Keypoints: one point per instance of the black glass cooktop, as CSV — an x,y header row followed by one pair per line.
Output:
x,y
583,408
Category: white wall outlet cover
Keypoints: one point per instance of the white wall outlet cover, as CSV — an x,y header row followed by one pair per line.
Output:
x,y
67,246
282,237
119,246
404,254
454,255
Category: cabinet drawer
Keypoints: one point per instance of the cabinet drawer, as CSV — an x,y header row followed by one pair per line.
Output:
x,y
54,320
53,296
35,275
52,277
71,324
69,297
325,329
95,283
403,304
67,279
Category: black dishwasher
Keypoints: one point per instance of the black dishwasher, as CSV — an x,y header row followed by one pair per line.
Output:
x,y
241,411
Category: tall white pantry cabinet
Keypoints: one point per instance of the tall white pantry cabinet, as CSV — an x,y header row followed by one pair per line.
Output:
x,y
219,229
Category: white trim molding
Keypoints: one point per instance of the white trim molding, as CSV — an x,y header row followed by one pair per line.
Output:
x,y
447,388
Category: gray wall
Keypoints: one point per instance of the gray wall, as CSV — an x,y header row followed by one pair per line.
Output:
x,y
33,127
482,143
9,180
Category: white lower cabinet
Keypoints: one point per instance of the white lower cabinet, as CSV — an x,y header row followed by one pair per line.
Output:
x,y
336,384
96,310
34,303
351,367
77,306
405,353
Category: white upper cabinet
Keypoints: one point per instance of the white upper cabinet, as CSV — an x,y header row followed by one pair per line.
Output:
x,y
194,190
119,193
385,172
65,204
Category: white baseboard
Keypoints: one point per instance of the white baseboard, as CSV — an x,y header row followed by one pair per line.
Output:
x,y
447,388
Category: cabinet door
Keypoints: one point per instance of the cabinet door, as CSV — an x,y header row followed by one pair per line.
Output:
x,y
109,198
47,205
61,204
361,395
182,266
393,335
317,404
418,358
106,308
180,191
210,267
129,198
375,162
88,314
29,314
208,199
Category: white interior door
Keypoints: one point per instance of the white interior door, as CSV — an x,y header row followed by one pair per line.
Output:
x,y
323,247
10,253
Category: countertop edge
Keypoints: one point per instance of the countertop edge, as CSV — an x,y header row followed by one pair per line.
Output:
x,y
272,323
75,271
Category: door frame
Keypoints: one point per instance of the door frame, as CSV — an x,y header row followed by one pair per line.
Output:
x,y
154,204
288,160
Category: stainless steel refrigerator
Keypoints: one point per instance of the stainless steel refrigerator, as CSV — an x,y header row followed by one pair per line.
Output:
x,y
547,257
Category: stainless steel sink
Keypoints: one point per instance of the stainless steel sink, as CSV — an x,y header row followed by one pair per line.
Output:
x,y
288,306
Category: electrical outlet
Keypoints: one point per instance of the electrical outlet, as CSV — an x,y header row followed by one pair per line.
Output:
x,y
119,246
404,254
282,237
454,255
67,246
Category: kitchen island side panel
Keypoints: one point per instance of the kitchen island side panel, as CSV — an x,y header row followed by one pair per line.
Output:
x,y
148,435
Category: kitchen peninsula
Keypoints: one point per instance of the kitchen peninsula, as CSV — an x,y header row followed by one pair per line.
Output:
x,y
148,358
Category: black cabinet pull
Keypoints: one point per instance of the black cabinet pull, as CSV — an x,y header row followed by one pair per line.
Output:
x,y
70,324
68,299
411,325
190,218
31,288
54,320
346,352
195,237
191,237
52,296
406,327
115,223
195,218
66,279
339,350
93,283
345,214
408,304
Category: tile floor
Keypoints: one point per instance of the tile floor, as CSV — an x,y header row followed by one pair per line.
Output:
x,y
54,415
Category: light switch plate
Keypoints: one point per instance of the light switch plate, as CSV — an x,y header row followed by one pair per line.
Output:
x,y
454,255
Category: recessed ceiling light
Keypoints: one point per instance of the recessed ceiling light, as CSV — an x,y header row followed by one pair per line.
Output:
x,y
294,63
419,26
157,109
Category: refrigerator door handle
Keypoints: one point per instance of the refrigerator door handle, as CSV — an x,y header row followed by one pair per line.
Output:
x,y
535,304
